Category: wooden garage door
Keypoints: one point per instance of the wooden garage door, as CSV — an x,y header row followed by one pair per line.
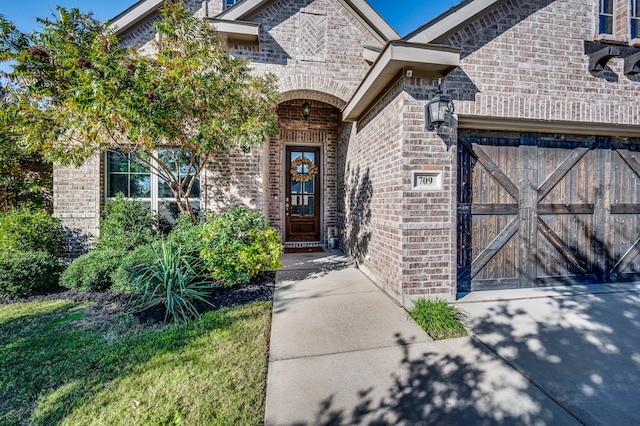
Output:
x,y
539,210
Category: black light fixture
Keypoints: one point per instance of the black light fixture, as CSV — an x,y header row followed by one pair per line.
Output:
x,y
437,111
306,110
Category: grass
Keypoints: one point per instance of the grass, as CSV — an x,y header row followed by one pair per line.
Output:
x,y
70,363
438,318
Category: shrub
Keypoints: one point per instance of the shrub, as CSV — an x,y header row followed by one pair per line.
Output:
x,y
124,277
29,229
171,281
127,224
92,271
438,318
238,245
186,236
26,273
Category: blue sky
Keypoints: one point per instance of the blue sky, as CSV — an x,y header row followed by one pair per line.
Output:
x,y
403,15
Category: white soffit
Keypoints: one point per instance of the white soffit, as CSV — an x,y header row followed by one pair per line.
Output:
x,y
397,56
134,14
450,20
237,31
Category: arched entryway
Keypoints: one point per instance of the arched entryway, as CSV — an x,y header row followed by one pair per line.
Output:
x,y
302,172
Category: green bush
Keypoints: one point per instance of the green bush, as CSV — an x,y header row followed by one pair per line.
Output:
x,y
171,281
186,236
238,245
127,224
29,229
124,277
438,318
26,273
92,271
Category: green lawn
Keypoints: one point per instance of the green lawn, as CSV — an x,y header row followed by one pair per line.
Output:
x,y
69,363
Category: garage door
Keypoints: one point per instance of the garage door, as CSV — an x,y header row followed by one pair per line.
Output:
x,y
543,209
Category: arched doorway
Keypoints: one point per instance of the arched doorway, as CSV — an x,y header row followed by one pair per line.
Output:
x,y
302,172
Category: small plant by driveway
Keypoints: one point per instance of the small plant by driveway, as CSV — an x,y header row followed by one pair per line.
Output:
x,y
438,318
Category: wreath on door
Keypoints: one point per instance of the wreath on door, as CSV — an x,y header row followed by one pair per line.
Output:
x,y
312,170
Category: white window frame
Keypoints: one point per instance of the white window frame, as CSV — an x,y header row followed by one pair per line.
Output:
x,y
612,15
155,198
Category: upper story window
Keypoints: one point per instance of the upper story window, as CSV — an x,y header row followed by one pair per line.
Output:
x,y
635,18
606,17
134,180
229,3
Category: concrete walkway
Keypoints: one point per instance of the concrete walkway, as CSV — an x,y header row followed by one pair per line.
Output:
x,y
342,352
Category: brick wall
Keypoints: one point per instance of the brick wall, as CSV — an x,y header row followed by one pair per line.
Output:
x,y
404,239
234,177
526,60
77,199
429,217
370,192
321,57
142,35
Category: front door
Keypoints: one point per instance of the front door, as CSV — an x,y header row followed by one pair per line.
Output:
x,y
302,204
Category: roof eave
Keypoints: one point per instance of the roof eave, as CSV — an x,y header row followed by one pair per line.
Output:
x,y
135,14
398,56
374,19
245,9
450,20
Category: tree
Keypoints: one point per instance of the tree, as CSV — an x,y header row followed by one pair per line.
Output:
x,y
24,177
79,92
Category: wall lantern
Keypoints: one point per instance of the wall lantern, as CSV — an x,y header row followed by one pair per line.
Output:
x,y
306,110
437,111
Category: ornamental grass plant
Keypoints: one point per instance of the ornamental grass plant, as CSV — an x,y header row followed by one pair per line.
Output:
x,y
440,319
171,281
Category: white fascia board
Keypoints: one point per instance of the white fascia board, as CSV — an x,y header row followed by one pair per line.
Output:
x,y
237,30
450,20
370,53
374,19
240,10
135,15
397,56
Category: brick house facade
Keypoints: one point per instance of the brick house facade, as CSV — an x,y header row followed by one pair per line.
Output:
x,y
532,181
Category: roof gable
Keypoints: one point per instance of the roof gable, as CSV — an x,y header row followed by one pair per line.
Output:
x,y
246,9
451,20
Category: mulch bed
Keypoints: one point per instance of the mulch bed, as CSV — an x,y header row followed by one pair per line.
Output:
x,y
260,288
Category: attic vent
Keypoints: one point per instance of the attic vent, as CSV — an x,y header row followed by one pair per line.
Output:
x,y
312,37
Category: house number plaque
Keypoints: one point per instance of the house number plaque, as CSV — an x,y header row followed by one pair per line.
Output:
x,y
427,180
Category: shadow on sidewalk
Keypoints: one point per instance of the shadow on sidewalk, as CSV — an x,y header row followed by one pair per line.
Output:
x,y
440,388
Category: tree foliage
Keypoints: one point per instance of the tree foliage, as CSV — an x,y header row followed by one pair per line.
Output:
x,y
79,92
24,177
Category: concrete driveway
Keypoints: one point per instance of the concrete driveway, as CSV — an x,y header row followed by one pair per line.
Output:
x,y
579,345
343,353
